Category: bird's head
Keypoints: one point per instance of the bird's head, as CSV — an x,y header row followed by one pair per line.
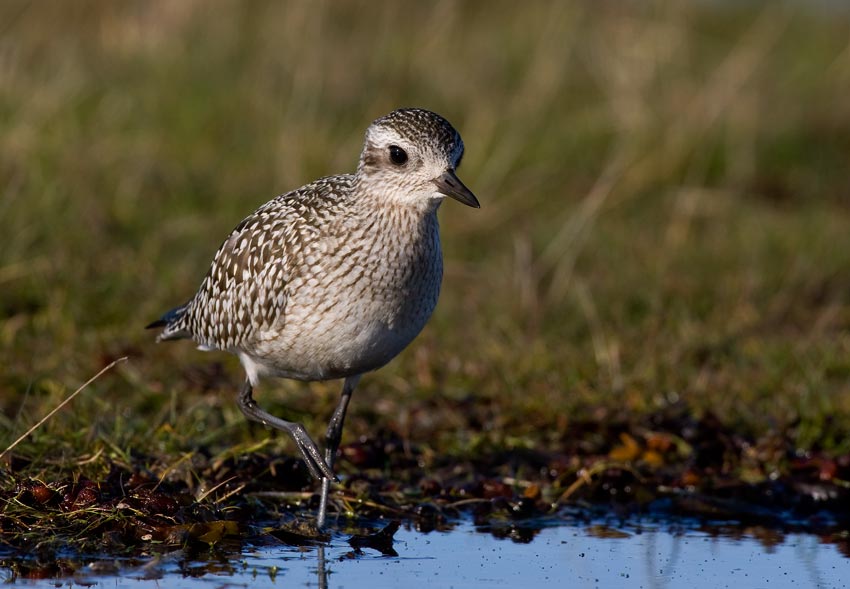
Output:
x,y
410,156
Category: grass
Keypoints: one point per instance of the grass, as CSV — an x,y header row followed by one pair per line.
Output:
x,y
665,204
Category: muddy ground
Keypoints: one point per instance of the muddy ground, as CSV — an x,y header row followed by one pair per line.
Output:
x,y
668,467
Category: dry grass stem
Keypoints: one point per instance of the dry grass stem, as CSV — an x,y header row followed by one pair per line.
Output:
x,y
60,406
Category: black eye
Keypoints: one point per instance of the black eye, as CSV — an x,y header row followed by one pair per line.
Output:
x,y
397,155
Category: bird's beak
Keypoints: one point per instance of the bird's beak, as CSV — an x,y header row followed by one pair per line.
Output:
x,y
449,184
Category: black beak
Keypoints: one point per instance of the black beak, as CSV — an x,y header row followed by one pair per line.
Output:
x,y
449,184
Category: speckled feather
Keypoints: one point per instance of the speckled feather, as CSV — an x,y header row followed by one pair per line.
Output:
x,y
337,277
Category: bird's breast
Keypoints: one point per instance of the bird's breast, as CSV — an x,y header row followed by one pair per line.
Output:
x,y
362,297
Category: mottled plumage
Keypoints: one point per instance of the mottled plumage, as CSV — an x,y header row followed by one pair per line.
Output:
x,y
333,279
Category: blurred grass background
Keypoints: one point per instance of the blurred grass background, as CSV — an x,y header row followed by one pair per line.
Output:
x,y
665,210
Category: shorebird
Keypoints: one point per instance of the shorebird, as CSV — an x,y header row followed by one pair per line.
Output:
x,y
333,279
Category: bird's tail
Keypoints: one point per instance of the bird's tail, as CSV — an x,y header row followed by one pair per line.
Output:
x,y
173,324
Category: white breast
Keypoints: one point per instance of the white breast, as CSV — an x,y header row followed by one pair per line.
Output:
x,y
362,302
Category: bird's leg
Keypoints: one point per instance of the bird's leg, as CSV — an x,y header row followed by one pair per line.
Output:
x,y
317,466
334,433
332,439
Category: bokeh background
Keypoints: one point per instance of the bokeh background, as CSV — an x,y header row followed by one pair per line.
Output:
x,y
665,211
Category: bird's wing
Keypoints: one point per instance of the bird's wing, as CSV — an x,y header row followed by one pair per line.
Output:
x,y
245,288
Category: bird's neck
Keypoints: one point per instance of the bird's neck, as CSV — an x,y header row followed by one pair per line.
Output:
x,y
382,196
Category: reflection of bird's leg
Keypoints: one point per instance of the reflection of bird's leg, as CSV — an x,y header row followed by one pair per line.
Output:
x,y
332,439
321,572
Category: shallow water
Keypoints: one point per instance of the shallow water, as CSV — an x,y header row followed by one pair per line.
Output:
x,y
554,556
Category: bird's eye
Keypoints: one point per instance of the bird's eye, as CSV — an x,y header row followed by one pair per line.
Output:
x,y
398,155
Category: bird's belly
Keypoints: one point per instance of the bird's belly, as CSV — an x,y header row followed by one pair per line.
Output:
x,y
336,344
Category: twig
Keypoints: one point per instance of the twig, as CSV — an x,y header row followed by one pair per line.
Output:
x,y
171,467
58,407
209,492
229,494
585,477
283,495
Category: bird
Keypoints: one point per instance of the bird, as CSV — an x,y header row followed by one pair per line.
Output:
x,y
334,279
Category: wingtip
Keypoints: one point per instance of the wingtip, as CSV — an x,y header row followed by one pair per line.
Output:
x,y
170,317
157,323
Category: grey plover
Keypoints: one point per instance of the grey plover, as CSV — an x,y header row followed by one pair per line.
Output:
x,y
334,279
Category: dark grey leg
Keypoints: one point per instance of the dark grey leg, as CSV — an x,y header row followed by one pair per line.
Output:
x,y
317,466
332,439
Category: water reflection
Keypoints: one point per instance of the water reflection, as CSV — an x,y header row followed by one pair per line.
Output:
x,y
321,570
601,553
